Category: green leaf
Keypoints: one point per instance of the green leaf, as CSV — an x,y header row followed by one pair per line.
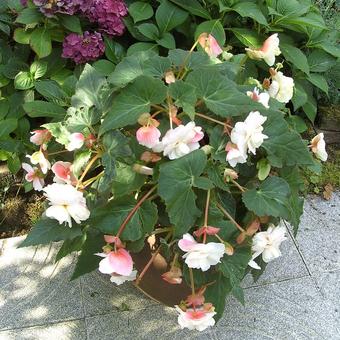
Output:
x,y
251,10
169,16
14,164
38,69
70,22
140,11
300,96
70,246
40,42
52,91
113,50
213,27
149,30
319,81
39,108
82,117
203,183
175,187
49,230
29,16
310,108
142,47
109,218
247,37
320,61
104,67
167,40
23,81
295,56
185,96
22,36
133,100
80,160
193,7
263,167
269,199
89,88
297,123
7,126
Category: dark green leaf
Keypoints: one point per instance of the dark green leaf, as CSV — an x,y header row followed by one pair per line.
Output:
x,y
71,22
7,126
29,16
193,7
40,42
319,81
140,11
169,16
213,27
39,108
295,56
251,10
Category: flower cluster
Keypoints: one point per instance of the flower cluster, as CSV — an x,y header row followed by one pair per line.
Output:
x,y
83,48
50,7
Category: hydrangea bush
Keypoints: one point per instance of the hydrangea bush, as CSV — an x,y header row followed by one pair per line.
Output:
x,y
196,146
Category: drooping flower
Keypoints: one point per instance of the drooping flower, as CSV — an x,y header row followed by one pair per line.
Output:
x,y
198,318
120,279
180,141
318,146
34,175
235,155
248,135
281,87
262,98
210,45
63,173
200,255
66,202
40,137
107,14
76,141
269,50
38,157
148,136
173,276
117,262
268,244
83,48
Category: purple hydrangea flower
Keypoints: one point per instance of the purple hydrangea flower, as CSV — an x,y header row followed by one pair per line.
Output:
x,y
23,3
50,7
83,48
107,13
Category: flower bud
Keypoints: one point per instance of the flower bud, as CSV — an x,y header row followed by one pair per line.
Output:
x,y
229,249
230,174
169,77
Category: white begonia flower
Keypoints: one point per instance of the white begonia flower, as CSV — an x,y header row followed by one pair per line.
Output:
x,y
268,244
39,158
248,135
198,319
33,175
120,279
76,141
180,141
281,88
235,155
262,98
66,202
269,50
200,255
318,146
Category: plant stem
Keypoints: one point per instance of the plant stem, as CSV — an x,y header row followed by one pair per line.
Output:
x,y
89,181
192,283
239,186
158,107
225,212
57,152
88,167
213,120
135,208
206,212
185,61
161,230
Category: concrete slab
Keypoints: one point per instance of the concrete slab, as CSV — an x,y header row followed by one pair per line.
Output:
x,y
71,330
33,290
318,238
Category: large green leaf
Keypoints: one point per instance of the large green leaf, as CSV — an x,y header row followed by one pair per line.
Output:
x,y
134,100
193,7
108,218
169,16
295,56
319,81
247,37
49,230
270,198
140,11
251,10
40,42
7,126
320,61
213,27
39,108
176,180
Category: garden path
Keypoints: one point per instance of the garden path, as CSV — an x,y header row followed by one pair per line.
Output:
x,y
297,298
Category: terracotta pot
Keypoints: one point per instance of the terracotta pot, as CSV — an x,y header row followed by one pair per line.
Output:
x,y
152,283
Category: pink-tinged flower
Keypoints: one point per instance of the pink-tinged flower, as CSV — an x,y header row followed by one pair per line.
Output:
x,y
281,87
210,45
63,173
180,141
174,276
200,255
76,141
90,140
66,202
40,137
169,77
262,98
235,155
39,158
33,175
318,146
268,244
269,50
198,319
206,230
117,262
148,157
148,136
120,279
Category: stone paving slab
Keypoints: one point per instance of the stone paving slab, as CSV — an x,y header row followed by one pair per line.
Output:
x,y
33,290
